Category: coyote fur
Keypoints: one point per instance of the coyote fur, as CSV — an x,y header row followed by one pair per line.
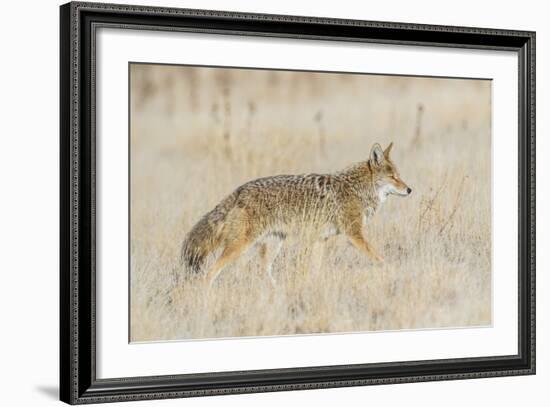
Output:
x,y
273,207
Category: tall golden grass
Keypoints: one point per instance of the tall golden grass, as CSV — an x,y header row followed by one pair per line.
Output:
x,y
198,133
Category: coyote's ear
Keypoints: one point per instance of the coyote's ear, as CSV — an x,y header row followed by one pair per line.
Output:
x,y
376,154
387,151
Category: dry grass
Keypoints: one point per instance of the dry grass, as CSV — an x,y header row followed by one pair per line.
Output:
x,y
197,133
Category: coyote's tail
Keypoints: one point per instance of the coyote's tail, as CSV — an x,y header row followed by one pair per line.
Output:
x,y
197,245
205,237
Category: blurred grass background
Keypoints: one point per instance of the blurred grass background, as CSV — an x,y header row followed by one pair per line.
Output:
x,y
197,133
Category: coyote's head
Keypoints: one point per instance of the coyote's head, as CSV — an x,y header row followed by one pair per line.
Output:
x,y
386,177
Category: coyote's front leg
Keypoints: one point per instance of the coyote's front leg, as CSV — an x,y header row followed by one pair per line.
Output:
x,y
355,235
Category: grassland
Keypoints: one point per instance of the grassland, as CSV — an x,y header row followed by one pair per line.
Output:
x,y
198,133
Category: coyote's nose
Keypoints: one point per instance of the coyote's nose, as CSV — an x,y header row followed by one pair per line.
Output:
x,y
409,191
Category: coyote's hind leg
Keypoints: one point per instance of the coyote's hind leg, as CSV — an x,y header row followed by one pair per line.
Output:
x,y
231,251
269,249
237,236
317,256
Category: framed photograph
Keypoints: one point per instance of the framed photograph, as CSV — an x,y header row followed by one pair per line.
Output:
x,y
255,203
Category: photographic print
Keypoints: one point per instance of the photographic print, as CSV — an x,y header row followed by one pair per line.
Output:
x,y
273,202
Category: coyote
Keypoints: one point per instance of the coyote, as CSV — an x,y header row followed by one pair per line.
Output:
x,y
273,207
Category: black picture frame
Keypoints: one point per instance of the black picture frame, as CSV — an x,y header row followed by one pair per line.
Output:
x,y
78,382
